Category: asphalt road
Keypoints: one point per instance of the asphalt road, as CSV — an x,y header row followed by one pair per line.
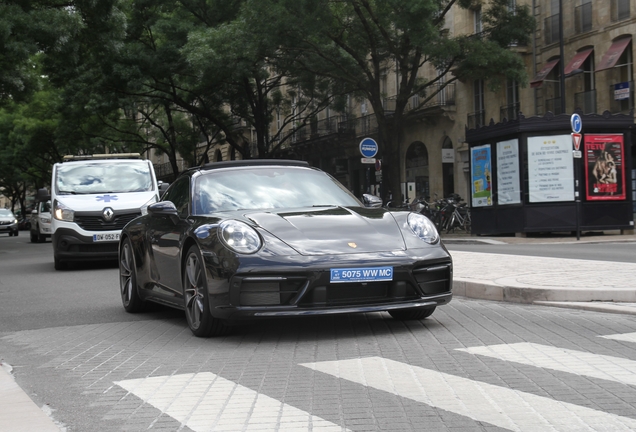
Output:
x,y
473,366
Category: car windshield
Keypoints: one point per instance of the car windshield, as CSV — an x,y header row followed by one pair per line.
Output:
x,y
5,213
267,188
101,177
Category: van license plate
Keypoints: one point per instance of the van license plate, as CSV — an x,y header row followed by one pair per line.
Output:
x,y
105,237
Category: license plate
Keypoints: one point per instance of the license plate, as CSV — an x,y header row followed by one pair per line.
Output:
x,y
105,237
361,274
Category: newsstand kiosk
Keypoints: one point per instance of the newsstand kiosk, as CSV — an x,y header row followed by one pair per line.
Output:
x,y
538,174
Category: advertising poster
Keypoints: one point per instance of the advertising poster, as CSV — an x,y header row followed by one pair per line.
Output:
x,y
604,167
481,174
508,187
550,168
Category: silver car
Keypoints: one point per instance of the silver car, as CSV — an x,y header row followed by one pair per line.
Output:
x,y
41,222
8,223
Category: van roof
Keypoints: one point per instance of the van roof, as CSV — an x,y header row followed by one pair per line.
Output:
x,y
69,158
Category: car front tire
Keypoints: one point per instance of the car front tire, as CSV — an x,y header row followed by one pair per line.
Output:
x,y
34,237
412,314
196,300
128,279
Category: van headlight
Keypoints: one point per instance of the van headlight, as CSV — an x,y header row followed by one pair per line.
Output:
x,y
423,228
62,212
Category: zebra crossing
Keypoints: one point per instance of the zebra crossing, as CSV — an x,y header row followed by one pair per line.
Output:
x,y
207,402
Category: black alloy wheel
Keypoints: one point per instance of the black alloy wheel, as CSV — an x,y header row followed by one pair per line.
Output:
x,y
195,297
128,279
412,314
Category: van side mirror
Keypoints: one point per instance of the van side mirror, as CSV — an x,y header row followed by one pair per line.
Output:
x,y
162,187
42,195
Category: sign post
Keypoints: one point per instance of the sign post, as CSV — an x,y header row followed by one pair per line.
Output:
x,y
368,150
577,126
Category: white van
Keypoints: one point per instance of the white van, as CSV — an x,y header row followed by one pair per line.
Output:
x,y
92,198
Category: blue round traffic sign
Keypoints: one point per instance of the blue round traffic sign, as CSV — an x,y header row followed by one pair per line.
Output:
x,y
577,123
368,147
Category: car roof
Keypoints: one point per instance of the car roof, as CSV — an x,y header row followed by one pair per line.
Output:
x,y
250,162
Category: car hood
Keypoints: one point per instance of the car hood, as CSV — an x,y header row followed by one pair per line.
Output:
x,y
333,230
116,201
7,218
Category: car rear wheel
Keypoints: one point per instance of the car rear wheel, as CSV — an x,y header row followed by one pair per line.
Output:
x,y
128,279
196,300
412,314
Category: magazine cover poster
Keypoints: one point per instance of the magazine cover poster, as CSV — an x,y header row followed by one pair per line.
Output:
x,y
604,167
481,170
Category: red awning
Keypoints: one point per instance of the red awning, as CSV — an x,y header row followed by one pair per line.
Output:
x,y
577,61
538,80
613,53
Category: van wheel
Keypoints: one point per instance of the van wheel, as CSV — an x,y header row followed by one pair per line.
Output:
x,y
40,237
34,237
59,265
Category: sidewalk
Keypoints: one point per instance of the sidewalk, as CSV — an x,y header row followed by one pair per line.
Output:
x,y
582,284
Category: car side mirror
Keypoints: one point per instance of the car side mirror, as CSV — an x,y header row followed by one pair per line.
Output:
x,y
34,212
162,208
371,200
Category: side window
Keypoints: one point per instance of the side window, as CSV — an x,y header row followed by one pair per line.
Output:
x,y
179,195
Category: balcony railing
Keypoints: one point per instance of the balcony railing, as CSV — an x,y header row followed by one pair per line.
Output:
x,y
583,18
553,105
620,10
444,97
621,96
585,102
361,125
476,119
510,112
551,29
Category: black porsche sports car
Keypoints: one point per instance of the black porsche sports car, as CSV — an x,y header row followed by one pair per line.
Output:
x,y
236,240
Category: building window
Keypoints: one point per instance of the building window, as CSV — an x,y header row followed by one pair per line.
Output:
x,y
552,92
477,21
583,17
510,111
620,10
585,101
622,85
477,118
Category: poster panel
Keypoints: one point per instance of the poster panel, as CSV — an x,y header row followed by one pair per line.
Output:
x,y
550,168
480,169
508,185
604,167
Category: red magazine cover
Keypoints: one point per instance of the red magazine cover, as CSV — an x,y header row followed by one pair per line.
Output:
x,y
604,167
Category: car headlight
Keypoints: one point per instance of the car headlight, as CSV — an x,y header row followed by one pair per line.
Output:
x,y
62,212
239,237
144,208
423,228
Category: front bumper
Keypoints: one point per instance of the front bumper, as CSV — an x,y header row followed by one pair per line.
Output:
x,y
11,228
284,289
68,245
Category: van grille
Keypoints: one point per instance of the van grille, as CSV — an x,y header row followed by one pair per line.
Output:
x,y
94,221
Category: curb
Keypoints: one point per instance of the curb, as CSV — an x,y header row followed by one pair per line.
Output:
x,y
18,413
575,298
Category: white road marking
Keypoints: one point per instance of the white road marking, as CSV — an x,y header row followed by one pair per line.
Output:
x,y
208,402
627,337
576,362
499,406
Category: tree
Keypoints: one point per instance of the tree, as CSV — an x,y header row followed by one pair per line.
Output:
x,y
357,42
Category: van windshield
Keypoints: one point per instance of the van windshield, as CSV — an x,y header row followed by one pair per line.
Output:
x,y
102,177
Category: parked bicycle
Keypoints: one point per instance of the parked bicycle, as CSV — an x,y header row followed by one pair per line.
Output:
x,y
448,214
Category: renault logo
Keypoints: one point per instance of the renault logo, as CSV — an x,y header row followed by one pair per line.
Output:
x,y
353,245
108,214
